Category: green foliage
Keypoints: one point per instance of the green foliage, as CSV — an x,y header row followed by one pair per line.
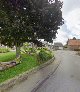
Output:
x,y
4,57
51,19
27,49
4,50
32,50
24,48
29,20
39,48
18,60
28,62
45,48
44,55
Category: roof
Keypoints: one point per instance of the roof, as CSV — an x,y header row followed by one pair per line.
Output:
x,y
58,44
72,42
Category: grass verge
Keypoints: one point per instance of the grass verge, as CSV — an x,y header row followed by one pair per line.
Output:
x,y
28,62
4,57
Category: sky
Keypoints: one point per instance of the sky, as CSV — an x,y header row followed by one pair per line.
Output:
x,y
71,16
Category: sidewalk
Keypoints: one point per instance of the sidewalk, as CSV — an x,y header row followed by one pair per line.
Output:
x,y
36,79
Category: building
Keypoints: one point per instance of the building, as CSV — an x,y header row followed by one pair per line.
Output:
x,y
58,46
73,44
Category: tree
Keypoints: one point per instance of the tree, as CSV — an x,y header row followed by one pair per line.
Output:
x,y
15,24
28,20
48,19
74,38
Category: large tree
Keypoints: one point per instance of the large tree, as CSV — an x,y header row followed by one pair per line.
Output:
x,y
14,22
47,20
29,20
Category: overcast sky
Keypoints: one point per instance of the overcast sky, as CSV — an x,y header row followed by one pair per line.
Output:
x,y
71,15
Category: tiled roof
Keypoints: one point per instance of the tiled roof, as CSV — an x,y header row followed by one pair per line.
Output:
x,y
72,42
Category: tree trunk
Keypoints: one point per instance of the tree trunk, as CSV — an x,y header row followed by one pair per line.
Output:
x,y
17,51
51,47
32,45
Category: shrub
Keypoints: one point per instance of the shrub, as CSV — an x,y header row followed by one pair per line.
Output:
x,y
26,48
44,56
4,50
18,60
39,48
32,50
76,49
45,48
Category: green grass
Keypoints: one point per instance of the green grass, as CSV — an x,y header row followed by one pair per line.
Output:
x,y
4,57
28,62
4,50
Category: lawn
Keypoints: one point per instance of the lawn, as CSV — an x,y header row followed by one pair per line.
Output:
x,y
28,62
4,57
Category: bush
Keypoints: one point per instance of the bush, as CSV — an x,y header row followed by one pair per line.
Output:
x,y
76,49
39,48
44,56
27,49
4,50
32,50
45,48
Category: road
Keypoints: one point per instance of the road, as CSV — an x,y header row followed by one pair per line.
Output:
x,y
67,76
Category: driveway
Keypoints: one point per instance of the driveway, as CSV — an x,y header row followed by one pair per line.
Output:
x,y
67,76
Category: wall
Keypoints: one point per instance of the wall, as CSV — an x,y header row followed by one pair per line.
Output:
x,y
73,47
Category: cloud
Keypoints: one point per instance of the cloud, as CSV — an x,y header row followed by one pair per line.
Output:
x,y
69,5
71,15
73,22
62,36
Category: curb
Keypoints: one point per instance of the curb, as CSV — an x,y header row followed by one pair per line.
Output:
x,y
22,77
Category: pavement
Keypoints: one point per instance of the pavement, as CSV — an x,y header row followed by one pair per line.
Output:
x,y
37,79
67,76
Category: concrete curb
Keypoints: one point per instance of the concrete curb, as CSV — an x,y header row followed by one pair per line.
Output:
x,y
22,77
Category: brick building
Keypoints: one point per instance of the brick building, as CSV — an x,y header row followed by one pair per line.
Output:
x,y
73,44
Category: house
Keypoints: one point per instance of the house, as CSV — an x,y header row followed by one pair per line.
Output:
x,y
58,46
73,44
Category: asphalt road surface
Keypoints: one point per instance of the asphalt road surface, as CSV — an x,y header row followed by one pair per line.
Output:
x,y
67,76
